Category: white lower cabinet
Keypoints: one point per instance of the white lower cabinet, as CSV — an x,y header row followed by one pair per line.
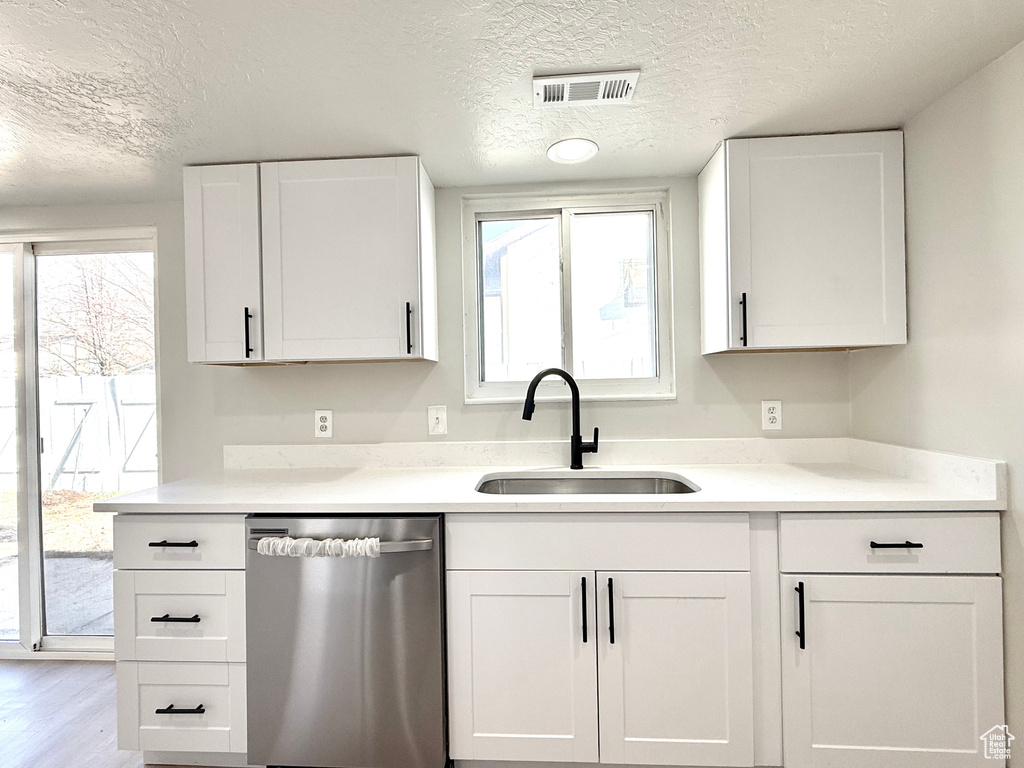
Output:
x,y
667,655
675,668
523,677
894,670
623,640
179,636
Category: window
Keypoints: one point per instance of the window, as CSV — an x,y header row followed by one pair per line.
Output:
x,y
80,421
581,284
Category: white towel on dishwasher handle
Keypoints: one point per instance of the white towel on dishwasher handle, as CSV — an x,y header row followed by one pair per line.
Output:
x,y
287,546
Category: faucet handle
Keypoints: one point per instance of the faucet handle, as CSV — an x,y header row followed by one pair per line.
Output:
x,y
591,447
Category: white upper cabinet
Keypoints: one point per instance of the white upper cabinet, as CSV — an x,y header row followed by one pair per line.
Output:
x,y
346,270
802,243
344,246
222,264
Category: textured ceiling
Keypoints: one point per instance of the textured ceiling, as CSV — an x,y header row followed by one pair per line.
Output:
x,y
105,100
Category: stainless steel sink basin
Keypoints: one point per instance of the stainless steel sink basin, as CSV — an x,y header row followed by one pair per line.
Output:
x,y
626,483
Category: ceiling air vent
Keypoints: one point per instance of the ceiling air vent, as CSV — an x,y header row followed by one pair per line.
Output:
x,y
584,90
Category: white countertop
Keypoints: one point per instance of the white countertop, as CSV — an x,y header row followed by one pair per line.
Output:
x,y
879,478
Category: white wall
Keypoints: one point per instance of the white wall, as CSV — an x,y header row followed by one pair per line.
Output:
x,y
206,407
958,385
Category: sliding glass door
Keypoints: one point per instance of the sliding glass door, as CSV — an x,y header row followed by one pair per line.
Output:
x,y
87,432
9,604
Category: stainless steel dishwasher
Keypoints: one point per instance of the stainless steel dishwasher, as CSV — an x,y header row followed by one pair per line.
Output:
x,y
345,663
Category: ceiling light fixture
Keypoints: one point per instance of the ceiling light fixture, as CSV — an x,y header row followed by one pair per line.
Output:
x,y
572,151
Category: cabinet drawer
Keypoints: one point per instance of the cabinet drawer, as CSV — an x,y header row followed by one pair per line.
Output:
x,y
179,541
145,687
213,602
717,541
950,542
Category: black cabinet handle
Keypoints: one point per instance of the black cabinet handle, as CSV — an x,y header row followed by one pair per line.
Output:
x,y
177,619
897,545
611,613
408,328
166,543
170,710
743,314
584,609
802,632
246,317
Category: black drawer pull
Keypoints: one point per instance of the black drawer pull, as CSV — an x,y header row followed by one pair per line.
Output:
x,y
743,308
246,317
166,543
802,632
408,327
170,710
584,585
611,613
177,619
897,545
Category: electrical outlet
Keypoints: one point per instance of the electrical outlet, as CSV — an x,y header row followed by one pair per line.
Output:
x,y
771,414
437,420
323,423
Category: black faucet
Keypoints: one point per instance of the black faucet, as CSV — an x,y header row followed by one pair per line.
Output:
x,y
576,444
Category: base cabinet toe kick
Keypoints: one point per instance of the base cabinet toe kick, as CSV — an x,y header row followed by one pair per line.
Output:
x,y
804,640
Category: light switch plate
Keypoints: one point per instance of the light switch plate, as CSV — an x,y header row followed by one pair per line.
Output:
x,y
437,420
323,423
771,414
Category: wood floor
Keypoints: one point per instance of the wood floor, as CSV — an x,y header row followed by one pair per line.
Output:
x,y
59,714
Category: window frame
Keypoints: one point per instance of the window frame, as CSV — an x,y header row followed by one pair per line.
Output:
x,y
477,208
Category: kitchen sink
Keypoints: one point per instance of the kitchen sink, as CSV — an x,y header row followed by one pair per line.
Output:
x,y
603,482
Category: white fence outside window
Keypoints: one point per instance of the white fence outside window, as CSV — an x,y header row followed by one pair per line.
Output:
x,y
98,432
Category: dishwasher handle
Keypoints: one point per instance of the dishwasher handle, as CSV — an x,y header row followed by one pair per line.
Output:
x,y
386,547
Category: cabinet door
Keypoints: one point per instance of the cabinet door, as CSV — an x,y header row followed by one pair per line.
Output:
x,y
341,259
522,674
816,242
222,264
895,670
675,668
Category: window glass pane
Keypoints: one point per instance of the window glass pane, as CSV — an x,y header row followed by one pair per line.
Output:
x,y
97,418
521,323
9,616
614,317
